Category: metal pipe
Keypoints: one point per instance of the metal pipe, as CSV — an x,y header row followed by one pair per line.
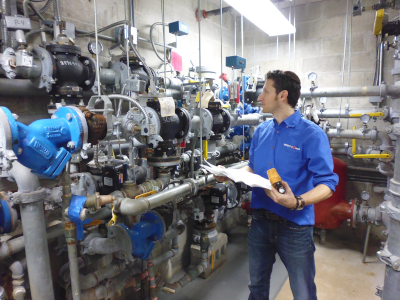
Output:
x,y
364,91
366,242
201,88
242,37
250,119
57,11
133,101
165,54
37,251
16,245
156,43
92,279
97,56
128,206
289,35
294,35
70,236
334,113
381,50
220,7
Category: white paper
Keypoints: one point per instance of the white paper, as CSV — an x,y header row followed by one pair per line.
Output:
x,y
167,106
238,175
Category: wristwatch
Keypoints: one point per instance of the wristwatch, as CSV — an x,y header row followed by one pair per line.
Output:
x,y
300,203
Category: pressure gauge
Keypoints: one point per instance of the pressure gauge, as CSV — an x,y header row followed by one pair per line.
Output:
x,y
95,50
365,118
365,195
312,76
322,100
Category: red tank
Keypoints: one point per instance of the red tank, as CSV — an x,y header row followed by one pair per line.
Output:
x,y
330,213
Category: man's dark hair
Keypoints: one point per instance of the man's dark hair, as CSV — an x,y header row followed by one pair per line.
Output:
x,y
286,80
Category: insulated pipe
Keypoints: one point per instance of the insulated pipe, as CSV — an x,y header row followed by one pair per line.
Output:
x,y
128,206
229,147
365,91
366,134
36,250
16,245
34,230
92,279
250,119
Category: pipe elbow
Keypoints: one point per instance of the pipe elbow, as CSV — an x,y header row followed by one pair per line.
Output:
x,y
134,206
385,140
17,270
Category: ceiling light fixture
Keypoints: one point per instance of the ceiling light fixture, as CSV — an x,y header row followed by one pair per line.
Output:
x,y
265,15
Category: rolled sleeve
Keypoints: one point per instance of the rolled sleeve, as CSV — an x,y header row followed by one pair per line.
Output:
x,y
320,161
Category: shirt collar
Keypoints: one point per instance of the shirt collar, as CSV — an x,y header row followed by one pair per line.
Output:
x,y
292,120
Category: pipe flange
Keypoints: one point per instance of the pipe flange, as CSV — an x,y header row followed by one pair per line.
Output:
x,y
194,187
383,90
46,77
118,232
392,211
26,198
389,259
394,187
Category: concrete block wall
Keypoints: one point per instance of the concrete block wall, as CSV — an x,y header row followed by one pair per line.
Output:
x,y
318,46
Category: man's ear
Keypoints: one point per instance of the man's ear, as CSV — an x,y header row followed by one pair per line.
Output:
x,y
283,95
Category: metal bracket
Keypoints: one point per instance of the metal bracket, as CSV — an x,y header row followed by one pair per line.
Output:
x,y
26,198
389,259
193,186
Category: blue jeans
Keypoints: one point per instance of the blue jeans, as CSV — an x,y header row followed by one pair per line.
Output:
x,y
295,246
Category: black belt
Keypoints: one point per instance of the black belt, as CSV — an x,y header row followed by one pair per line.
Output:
x,y
269,215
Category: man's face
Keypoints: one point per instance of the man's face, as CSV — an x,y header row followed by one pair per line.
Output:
x,y
269,98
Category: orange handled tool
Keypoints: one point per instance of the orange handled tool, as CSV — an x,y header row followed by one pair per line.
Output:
x,y
276,180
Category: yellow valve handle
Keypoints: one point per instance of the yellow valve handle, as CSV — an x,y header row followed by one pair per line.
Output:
x,y
145,194
205,149
354,144
372,155
113,220
375,114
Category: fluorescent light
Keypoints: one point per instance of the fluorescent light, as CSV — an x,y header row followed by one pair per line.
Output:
x,y
264,15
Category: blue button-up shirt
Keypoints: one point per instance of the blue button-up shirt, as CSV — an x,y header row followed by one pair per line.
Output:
x,y
299,150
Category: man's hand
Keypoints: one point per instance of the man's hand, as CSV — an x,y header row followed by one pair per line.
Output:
x,y
221,178
287,199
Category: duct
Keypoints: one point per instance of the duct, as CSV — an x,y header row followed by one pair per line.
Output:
x,y
365,91
140,206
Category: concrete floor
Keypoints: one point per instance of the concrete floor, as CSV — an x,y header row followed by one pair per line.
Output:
x,y
340,272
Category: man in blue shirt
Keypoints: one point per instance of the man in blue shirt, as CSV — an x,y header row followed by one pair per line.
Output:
x,y
283,223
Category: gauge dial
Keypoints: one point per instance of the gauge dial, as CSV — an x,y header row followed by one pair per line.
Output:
x,y
312,76
365,118
365,195
95,50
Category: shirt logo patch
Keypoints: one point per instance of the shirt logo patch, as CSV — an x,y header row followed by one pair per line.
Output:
x,y
290,146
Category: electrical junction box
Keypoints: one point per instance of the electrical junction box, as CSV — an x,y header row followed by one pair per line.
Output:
x,y
178,28
113,176
236,62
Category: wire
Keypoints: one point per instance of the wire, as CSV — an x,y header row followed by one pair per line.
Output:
x,y
151,39
119,23
41,11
